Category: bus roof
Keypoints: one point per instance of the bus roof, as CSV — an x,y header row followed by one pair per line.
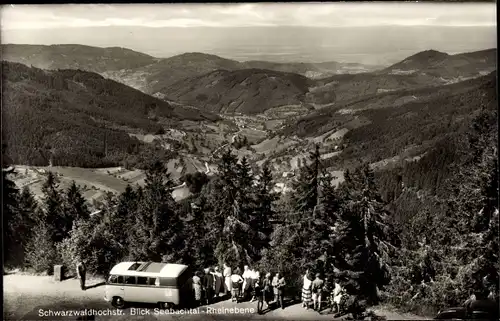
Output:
x,y
168,270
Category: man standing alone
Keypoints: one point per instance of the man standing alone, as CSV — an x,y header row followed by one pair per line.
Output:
x,y
81,272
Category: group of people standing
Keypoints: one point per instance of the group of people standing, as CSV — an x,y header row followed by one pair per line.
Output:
x,y
315,288
212,283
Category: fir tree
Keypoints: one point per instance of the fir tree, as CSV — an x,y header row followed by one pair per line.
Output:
x,y
121,217
230,211
265,198
53,211
26,213
299,240
157,228
473,206
362,236
75,206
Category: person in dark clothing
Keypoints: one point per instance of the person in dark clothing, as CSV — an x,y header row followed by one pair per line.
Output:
x,y
258,293
81,272
281,289
208,284
317,290
267,289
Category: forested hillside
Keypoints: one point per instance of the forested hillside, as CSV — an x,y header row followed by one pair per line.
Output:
x,y
440,64
446,209
75,57
404,123
247,91
78,118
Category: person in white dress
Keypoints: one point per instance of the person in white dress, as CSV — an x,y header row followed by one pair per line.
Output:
x,y
247,279
338,292
306,290
227,272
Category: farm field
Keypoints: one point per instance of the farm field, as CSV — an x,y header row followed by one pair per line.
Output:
x,y
95,183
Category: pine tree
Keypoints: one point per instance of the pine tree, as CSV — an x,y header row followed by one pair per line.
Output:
x,y
473,206
199,246
307,188
121,217
299,240
363,237
265,198
24,221
53,211
230,211
75,206
157,228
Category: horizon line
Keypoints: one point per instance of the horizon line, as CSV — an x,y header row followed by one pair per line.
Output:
x,y
211,54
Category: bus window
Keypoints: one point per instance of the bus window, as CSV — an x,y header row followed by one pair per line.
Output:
x,y
130,280
141,280
113,279
119,279
153,282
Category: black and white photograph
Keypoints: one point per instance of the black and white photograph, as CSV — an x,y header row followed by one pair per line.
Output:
x,y
250,161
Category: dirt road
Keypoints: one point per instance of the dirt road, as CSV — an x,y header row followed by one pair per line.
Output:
x,y
40,298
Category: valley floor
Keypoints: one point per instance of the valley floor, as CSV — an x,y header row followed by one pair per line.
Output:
x,y
27,297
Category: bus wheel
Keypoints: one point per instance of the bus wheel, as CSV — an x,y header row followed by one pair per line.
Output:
x,y
166,305
118,302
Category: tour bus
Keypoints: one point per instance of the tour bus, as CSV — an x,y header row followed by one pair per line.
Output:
x,y
149,282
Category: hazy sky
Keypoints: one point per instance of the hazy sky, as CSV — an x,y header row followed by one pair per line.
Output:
x,y
239,15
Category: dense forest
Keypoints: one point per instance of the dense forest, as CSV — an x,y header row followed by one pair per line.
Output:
x,y
420,236
408,129
78,118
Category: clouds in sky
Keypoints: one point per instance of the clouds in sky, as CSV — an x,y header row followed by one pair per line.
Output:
x,y
241,15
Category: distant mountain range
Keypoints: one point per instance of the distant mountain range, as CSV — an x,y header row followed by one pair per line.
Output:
x,y
148,73
75,57
440,64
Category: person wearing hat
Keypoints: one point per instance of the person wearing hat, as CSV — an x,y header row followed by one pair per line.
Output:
x,y
317,289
